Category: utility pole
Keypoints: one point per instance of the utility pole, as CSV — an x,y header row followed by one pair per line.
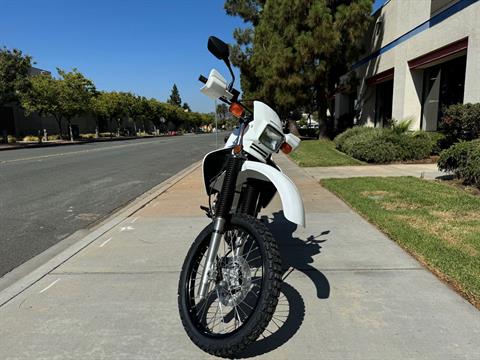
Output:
x,y
216,125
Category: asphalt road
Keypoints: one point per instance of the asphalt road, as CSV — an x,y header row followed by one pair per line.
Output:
x,y
46,194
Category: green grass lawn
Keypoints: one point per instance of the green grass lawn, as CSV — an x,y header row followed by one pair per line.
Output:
x,y
437,223
321,153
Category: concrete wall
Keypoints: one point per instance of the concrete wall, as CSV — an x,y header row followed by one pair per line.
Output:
x,y
398,17
30,125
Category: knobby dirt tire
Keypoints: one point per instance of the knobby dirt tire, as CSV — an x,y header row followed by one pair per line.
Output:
x,y
267,301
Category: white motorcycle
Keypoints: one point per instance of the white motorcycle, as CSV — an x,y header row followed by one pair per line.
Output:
x,y
230,280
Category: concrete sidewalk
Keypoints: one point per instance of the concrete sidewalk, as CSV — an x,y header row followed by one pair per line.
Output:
x,y
427,171
351,293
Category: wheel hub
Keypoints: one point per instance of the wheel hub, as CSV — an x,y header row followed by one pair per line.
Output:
x,y
236,281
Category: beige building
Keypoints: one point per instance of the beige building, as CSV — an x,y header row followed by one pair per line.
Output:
x,y
14,121
422,55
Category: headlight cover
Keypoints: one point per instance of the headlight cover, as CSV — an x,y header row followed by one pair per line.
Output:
x,y
271,138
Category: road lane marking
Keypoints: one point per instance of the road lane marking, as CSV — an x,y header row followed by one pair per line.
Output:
x,y
127,228
75,152
134,219
105,242
49,286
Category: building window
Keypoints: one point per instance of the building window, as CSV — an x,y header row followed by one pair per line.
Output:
x,y
437,6
383,103
443,85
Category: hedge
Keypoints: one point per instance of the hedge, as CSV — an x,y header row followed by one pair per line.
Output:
x,y
381,145
463,159
461,122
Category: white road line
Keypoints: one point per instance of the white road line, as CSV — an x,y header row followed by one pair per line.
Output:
x,y
76,152
105,242
133,220
49,286
126,228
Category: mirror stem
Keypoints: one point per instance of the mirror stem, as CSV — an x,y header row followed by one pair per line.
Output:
x,y
227,62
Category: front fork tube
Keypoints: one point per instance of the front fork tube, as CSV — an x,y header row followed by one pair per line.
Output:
x,y
222,212
208,270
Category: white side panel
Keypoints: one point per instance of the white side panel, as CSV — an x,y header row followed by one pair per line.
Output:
x,y
291,199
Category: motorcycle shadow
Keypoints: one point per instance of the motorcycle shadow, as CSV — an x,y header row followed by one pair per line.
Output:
x,y
297,255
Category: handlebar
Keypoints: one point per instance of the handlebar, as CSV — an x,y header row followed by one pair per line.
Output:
x,y
235,93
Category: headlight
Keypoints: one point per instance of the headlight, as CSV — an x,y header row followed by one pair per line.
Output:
x,y
271,138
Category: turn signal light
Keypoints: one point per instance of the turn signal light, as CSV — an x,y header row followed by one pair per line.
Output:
x,y
236,109
286,148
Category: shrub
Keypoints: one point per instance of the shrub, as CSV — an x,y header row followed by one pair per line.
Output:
x,y
385,145
461,122
414,147
374,148
463,159
341,138
438,142
11,139
30,138
53,137
87,136
402,126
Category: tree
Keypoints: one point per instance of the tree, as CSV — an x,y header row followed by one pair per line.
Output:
x,y
133,108
14,72
110,106
175,98
98,108
43,97
222,111
240,55
63,98
186,107
75,94
299,50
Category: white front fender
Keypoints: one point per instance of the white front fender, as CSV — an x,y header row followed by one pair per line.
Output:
x,y
291,199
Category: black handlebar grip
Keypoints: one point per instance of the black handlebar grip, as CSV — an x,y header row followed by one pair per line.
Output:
x,y
202,79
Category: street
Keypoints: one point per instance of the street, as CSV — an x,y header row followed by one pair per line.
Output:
x,y
49,193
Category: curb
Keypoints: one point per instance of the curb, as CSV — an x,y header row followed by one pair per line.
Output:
x,y
98,230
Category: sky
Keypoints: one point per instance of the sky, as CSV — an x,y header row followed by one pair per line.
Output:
x,y
377,4
143,46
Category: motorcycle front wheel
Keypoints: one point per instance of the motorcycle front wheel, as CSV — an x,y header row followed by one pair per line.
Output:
x,y
242,294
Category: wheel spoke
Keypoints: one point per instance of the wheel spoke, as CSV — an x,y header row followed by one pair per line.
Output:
x,y
233,294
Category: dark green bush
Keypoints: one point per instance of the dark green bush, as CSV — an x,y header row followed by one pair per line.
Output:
x,y
384,145
373,148
461,122
463,159
438,142
341,138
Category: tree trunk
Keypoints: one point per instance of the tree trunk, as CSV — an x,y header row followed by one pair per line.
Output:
x,y
292,127
110,127
59,123
70,131
322,106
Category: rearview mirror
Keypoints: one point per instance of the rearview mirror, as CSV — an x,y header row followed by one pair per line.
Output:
x,y
218,48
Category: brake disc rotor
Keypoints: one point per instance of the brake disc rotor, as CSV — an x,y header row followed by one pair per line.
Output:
x,y
237,281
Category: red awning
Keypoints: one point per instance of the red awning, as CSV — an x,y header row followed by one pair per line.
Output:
x,y
381,77
439,54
